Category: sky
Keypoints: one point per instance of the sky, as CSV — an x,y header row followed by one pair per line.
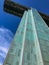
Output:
x,y
11,22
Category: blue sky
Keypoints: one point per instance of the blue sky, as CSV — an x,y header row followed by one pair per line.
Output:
x,y
11,22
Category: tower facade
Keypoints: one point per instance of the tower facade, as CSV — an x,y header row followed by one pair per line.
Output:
x,y
30,45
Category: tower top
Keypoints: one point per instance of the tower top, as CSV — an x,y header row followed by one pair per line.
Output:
x,y
18,10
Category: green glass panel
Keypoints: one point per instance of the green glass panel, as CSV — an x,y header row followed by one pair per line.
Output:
x,y
30,45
